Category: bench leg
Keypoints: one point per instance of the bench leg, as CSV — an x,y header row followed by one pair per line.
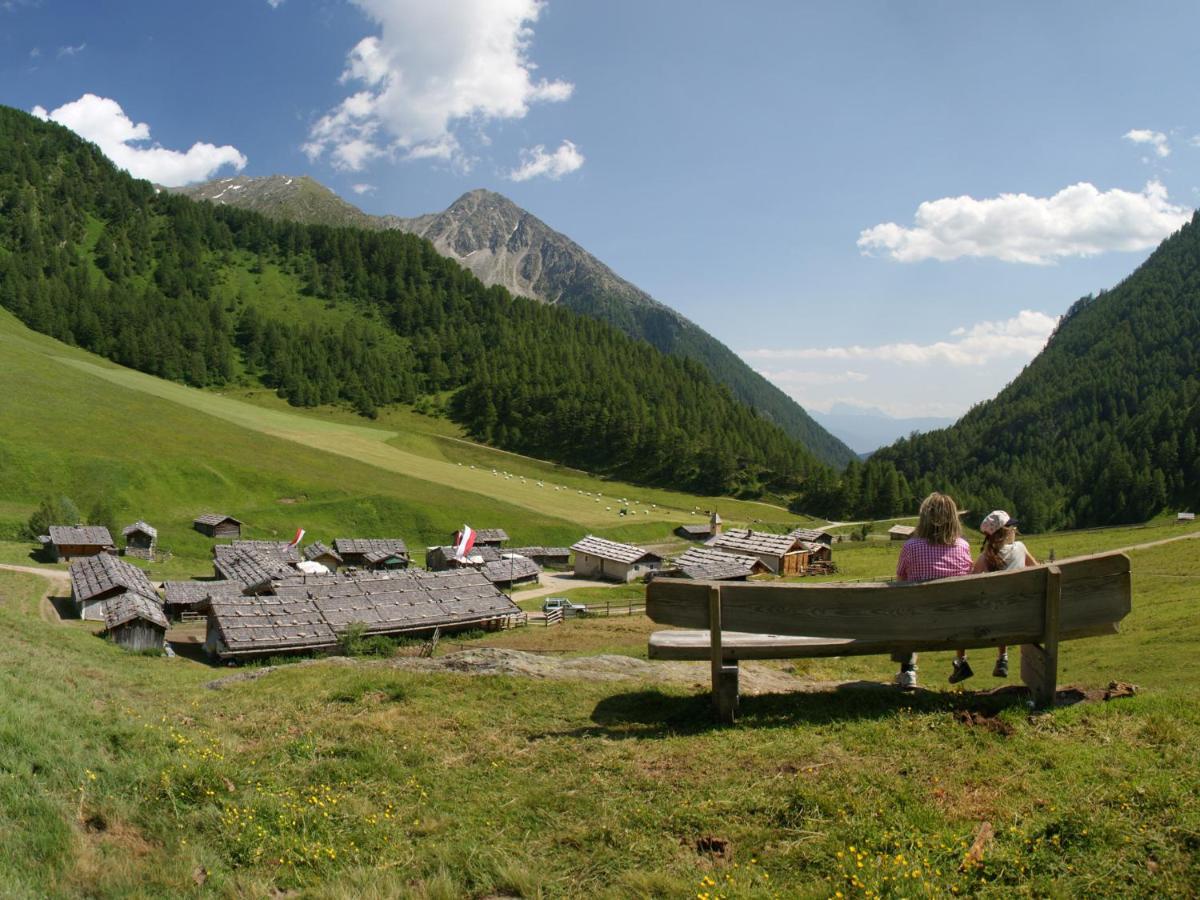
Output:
x,y
725,692
1039,671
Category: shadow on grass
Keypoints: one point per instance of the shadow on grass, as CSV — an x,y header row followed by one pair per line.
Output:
x,y
63,607
652,714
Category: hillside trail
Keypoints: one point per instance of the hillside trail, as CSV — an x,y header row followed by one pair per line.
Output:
x,y
60,586
557,582
1147,544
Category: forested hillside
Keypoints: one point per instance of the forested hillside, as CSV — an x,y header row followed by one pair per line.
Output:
x,y
178,289
1101,428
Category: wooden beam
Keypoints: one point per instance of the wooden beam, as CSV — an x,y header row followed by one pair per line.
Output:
x,y
714,641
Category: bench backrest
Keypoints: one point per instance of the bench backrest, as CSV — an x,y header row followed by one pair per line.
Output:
x,y
1093,592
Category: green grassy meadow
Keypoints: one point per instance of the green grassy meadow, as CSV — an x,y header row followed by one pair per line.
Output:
x,y
123,775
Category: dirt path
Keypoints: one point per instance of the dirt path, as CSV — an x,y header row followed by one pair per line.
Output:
x,y
60,586
557,582
1170,540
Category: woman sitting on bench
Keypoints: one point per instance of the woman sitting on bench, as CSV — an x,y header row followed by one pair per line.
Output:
x,y
936,550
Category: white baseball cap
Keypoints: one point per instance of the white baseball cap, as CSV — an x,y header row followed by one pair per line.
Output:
x,y
995,520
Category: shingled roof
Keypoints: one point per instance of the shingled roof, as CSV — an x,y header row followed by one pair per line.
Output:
x,y
125,608
311,615
280,551
96,576
363,546
511,567
490,535
707,564
747,541
316,549
605,549
80,536
251,569
536,552
141,526
194,593
812,535
214,519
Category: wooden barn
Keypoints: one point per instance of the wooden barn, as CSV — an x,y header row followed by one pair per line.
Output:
x,y
812,536
276,551
781,553
216,525
701,532
490,537
817,552
373,553
546,557
313,615
439,559
253,570
901,532
707,564
68,542
599,558
141,540
323,554
135,622
97,579
189,599
511,569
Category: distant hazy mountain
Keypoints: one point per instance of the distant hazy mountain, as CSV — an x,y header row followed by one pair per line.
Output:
x,y
503,244
866,429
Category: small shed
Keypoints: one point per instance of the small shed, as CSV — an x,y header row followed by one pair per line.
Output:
x,y
135,622
323,554
253,570
901,532
189,599
812,536
140,540
68,542
600,558
439,559
97,579
708,564
373,553
781,553
546,557
1185,518
216,525
695,532
490,537
817,552
511,569
276,551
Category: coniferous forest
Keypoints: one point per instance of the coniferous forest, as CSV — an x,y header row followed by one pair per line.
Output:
x,y
98,259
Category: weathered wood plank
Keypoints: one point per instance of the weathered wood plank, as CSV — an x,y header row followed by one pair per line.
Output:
x,y
714,649
976,610
725,693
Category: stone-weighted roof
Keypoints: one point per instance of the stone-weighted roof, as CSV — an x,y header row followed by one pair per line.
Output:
x,y
316,550
194,593
80,536
127,607
249,568
746,541
606,549
214,519
141,526
812,535
95,576
707,564
511,567
363,546
490,535
280,551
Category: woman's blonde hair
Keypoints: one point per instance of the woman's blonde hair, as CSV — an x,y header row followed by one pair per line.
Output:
x,y
939,520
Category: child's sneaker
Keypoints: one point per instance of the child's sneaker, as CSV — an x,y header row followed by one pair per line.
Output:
x,y
906,679
1001,670
962,671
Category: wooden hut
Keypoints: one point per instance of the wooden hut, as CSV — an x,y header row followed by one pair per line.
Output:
x,y
140,540
511,569
253,570
312,615
439,559
701,532
216,525
490,537
708,564
276,551
812,536
135,622
97,579
373,553
782,553
323,554
546,557
599,558
901,532
189,599
68,542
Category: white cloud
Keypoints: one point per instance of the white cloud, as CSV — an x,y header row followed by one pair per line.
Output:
x,y
102,121
275,4
1156,139
1023,335
71,51
35,52
1077,221
537,161
432,68
361,189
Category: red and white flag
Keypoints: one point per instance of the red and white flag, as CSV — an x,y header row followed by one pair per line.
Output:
x,y
298,538
466,540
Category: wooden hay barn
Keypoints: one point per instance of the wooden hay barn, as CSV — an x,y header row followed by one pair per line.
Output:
x,y
140,540
190,598
68,542
251,569
216,525
781,553
97,579
695,532
439,559
812,536
901,532
707,564
312,616
323,554
599,558
511,569
135,622
373,553
546,557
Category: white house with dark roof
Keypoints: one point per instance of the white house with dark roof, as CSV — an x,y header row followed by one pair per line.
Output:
x,y
612,561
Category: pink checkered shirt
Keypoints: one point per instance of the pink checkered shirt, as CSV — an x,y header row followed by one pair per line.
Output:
x,y
921,560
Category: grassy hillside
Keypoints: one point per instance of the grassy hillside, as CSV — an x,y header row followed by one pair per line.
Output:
x,y
122,775
79,426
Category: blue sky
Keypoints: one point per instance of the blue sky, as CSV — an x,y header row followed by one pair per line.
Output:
x,y
760,167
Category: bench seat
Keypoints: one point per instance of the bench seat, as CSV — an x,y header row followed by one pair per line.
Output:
x,y
694,644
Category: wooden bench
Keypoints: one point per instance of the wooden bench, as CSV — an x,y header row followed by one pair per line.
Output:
x,y
1034,608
